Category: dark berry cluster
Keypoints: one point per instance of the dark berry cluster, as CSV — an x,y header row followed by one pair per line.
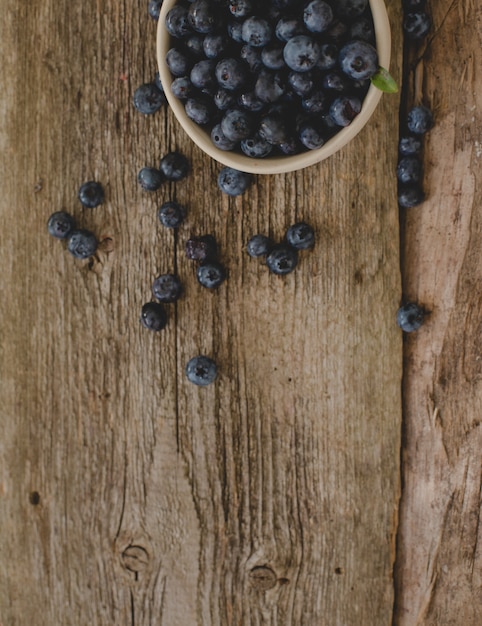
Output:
x,y
81,242
282,258
277,77
409,167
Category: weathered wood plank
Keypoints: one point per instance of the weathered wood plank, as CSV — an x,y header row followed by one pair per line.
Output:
x,y
127,495
439,557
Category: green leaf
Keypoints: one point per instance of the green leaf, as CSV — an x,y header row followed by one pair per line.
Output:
x,y
384,81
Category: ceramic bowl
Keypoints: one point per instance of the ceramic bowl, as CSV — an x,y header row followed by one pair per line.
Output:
x,y
276,164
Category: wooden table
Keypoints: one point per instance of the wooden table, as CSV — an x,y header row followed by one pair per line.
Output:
x,y
332,474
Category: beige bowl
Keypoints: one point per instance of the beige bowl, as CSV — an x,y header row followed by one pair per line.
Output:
x,y
279,164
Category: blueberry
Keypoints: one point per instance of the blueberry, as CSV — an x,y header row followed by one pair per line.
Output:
x,y
251,56
282,259
409,146
178,62
154,8
419,120
195,45
148,98
153,316
288,27
177,23
410,196
167,288
240,8
202,16
409,170
301,53
256,31
201,248
269,86
317,16
273,128
201,370
301,82
237,124
410,317
300,236
224,99
233,182
181,87
202,74
343,110
230,74
150,178
210,274
220,140
272,56
314,102
417,25
81,243
235,30
91,194
60,224
174,166
358,59
214,45
171,214
250,101
334,81
311,135
199,110
256,147
351,8
259,245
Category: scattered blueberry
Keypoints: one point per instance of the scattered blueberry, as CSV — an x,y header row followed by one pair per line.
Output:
x,y
410,196
154,8
410,317
167,288
259,245
201,248
150,178
201,370
60,224
210,274
409,170
282,259
148,98
174,166
171,214
233,182
417,25
300,236
419,120
81,243
153,316
91,194
409,145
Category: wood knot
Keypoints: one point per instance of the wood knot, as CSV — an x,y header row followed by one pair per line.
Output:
x,y
135,559
34,498
262,578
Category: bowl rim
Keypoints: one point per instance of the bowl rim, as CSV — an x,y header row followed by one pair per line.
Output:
x,y
277,164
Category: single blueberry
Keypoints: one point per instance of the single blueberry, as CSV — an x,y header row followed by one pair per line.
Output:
x,y
224,99
167,288
174,166
153,316
256,147
335,81
195,45
409,170
259,245
235,30
317,16
300,236
201,370
269,86
358,59
240,8
230,74
91,194
328,57
410,317
272,56
60,224
171,214
178,62
301,53
233,182
181,87
314,102
220,140
417,25
410,196
351,8
344,109
310,135
148,98
154,8
237,124
215,45
250,101
409,146
256,31
288,27
273,128
251,56
177,23
150,178
202,16
419,120
301,82
201,248
210,274
199,110
81,243
282,259
202,74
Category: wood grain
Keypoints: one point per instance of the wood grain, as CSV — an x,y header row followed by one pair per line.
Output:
x,y
440,556
128,496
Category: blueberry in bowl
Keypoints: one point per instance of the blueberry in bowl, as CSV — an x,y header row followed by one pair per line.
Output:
x,y
260,81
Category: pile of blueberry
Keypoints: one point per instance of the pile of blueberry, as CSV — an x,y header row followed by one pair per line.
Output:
x,y
81,242
282,258
271,77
